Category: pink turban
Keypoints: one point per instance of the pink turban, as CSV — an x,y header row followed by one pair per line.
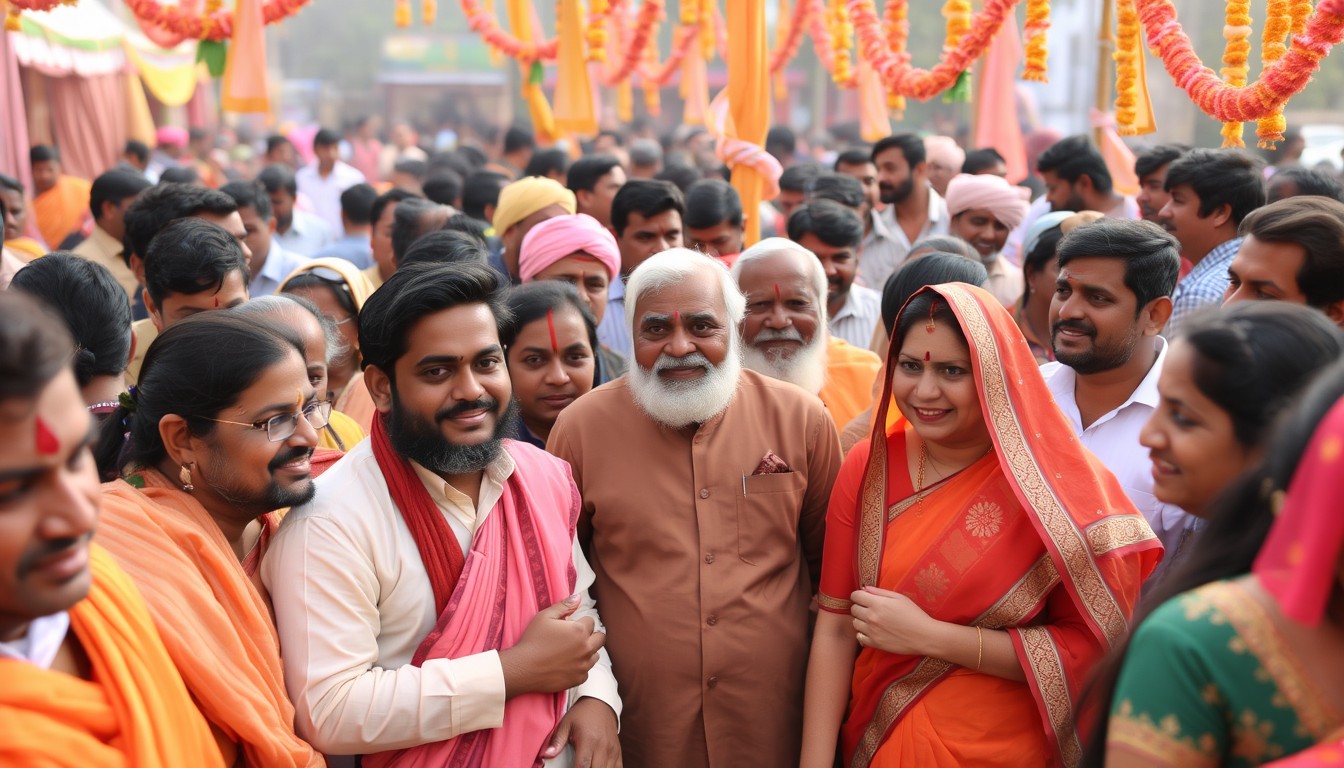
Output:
x,y
1007,202
170,135
561,236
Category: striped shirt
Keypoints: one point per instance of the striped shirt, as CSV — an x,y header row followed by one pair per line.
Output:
x,y
1205,285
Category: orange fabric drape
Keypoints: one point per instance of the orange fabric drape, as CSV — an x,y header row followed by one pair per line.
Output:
x,y
850,373
245,70
214,622
574,108
61,210
748,102
134,712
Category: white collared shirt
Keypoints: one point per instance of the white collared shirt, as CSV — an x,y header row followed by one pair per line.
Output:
x,y
307,234
886,246
352,603
279,264
1114,439
325,191
857,319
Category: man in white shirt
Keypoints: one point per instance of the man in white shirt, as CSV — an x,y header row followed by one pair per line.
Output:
x,y
834,233
1112,298
297,230
270,263
435,577
914,210
324,181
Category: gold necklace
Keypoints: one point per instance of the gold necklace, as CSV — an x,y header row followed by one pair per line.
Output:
x,y
919,470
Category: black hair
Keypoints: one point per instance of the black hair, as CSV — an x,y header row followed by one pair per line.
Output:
x,y
475,228
180,174
648,198
645,153
710,202
619,136
410,166
853,156
981,160
407,224
158,205
276,177
530,302
1220,177
43,153
418,290
924,306
680,175
311,280
781,142
195,369
943,244
1045,251
113,187
275,141
798,178
516,138
1151,160
1316,225
545,162
444,187
837,187
911,146
9,182
481,189
93,305
1236,528
250,194
326,137
138,149
932,269
450,161
391,196
1152,256
829,221
34,346
445,247
472,156
1310,182
191,256
585,172
357,203
1071,159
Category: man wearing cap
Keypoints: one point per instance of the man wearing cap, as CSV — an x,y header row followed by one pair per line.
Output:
x,y
523,205
984,209
578,250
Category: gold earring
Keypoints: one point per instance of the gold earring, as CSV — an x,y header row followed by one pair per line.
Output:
x,y
184,477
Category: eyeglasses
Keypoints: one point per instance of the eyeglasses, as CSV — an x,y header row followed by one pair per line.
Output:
x,y
283,427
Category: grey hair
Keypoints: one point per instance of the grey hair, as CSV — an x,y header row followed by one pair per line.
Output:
x,y
277,304
673,266
774,246
645,152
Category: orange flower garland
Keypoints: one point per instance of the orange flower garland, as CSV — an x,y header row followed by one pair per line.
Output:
x,y
793,39
216,25
484,24
596,33
841,35
18,6
1237,32
896,21
1273,45
429,9
1301,10
1128,47
1038,21
401,14
827,53
958,15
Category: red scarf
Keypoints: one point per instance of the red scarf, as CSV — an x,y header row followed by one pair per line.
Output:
x,y
439,549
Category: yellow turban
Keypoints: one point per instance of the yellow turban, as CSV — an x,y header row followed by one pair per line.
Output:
x,y
525,197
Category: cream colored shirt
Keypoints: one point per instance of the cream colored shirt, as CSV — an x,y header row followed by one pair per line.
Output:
x,y
102,248
352,604
1005,282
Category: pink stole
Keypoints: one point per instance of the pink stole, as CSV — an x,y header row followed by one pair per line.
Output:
x,y
520,562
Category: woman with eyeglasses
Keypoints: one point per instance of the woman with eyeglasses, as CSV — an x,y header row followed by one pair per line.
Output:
x,y
339,290
218,435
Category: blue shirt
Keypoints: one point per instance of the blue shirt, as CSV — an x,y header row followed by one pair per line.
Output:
x,y
613,331
307,234
353,248
279,264
1205,284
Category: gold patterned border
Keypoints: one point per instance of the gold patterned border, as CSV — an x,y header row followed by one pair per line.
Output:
x,y
1048,670
1148,741
1250,620
1023,599
1117,532
1030,478
833,603
872,503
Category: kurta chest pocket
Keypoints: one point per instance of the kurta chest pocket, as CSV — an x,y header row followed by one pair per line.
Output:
x,y
767,517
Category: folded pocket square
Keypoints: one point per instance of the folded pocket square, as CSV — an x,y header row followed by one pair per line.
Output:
x,y
771,464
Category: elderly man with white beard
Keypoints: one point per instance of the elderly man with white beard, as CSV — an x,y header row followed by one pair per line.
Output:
x,y
705,489
785,334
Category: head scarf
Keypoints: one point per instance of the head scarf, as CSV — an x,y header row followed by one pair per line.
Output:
x,y
1007,202
561,236
525,197
1300,559
1043,224
944,151
358,283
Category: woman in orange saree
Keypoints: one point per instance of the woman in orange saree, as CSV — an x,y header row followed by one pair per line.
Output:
x,y
977,563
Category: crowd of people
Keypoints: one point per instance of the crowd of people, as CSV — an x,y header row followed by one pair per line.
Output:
x,y
394,458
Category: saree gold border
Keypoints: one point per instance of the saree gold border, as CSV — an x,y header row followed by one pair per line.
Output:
x,y
1013,608
872,517
1148,741
1251,622
833,603
1048,670
895,510
1117,532
1073,548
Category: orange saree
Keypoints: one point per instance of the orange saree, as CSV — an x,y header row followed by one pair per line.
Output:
x,y
1037,539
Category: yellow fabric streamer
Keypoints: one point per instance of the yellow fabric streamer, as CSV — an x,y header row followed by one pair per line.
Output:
x,y
173,85
783,23
139,120
574,113
748,102
543,123
874,122
694,90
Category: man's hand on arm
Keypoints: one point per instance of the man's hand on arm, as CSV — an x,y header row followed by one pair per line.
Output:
x,y
591,726
554,653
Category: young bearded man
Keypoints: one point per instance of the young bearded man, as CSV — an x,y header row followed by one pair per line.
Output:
x,y
914,210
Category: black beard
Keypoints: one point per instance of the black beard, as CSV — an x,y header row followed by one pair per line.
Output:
x,y
421,441
1098,359
894,195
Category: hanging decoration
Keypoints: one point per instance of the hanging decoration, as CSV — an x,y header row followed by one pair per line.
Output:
x,y
483,22
1278,22
15,7
216,23
896,23
1038,23
1236,58
1133,107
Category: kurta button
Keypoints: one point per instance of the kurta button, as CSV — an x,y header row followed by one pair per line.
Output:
x,y
709,558
704,493
712,620
713,681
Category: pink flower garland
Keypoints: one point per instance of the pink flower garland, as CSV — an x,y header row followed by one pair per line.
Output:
x,y
215,26
484,24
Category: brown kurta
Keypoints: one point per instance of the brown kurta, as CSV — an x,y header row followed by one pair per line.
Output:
x,y
704,589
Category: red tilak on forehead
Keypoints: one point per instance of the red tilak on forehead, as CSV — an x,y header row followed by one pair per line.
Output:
x,y
676,316
776,291
47,443
926,357
550,326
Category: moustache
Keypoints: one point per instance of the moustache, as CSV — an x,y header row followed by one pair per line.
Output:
x,y
779,334
694,359
285,457
49,549
484,404
1074,325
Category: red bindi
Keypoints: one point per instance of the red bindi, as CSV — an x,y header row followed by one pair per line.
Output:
x,y
926,357
47,443
677,317
550,326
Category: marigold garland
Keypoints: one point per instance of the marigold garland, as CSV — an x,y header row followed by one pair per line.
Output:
x,y
1301,10
596,32
1273,45
15,7
820,28
1236,55
216,25
639,42
484,24
842,41
1128,47
896,22
429,10
1038,22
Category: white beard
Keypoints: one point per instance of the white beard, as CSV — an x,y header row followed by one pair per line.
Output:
x,y
804,367
678,404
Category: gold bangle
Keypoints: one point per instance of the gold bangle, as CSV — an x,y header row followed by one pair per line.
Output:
x,y
980,650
